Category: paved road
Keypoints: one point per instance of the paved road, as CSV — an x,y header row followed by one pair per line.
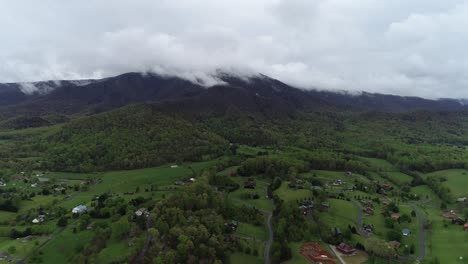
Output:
x,y
269,242
359,218
270,239
422,235
149,239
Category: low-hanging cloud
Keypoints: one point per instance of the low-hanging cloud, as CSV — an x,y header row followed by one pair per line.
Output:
x,y
388,46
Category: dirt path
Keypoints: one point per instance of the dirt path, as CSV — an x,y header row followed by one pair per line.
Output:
x,y
359,218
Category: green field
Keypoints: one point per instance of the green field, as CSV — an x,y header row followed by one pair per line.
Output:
x,y
240,196
287,194
457,180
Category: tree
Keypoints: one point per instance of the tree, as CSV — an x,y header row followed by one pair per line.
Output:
x,y
63,221
394,235
120,228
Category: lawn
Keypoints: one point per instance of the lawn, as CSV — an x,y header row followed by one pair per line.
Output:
x,y
22,248
240,196
296,256
342,213
115,252
249,230
246,259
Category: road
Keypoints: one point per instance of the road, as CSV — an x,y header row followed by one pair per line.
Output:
x,y
359,218
269,242
422,235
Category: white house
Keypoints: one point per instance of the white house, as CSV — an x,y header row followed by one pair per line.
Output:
x,y
461,199
174,166
38,219
141,211
80,209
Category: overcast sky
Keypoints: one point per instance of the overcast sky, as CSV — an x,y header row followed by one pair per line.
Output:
x,y
407,47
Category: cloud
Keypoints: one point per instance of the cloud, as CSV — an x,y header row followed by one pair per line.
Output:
x,y
388,46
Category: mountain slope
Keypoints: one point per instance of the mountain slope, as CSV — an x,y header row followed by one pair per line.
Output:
x,y
131,137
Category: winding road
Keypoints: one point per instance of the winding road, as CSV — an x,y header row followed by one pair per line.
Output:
x,y
269,242
422,235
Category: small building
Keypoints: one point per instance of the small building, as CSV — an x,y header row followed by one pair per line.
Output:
x,y
39,219
27,239
2,184
4,256
59,188
406,232
338,182
231,226
387,186
369,228
142,211
325,205
80,209
458,221
316,188
395,216
348,173
346,249
450,214
461,199
181,183
42,179
465,226
174,166
337,231
250,183
368,211
34,185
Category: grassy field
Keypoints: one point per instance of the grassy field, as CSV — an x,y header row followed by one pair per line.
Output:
x,y
379,164
65,245
289,194
342,213
457,180
399,177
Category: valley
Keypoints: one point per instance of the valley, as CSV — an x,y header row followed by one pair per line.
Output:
x,y
250,172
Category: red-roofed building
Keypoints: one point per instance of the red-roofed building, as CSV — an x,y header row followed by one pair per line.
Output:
x,y
395,216
346,249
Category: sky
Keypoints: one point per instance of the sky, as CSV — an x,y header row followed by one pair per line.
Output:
x,y
416,47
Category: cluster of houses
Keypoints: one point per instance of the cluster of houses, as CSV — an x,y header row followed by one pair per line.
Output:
x,y
456,219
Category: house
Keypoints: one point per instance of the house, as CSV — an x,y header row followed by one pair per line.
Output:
x,y
2,184
337,231
405,232
386,203
142,211
369,211
38,219
174,166
192,179
450,214
346,249
250,183
179,183
395,216
4,256
231,226
348,188
80,209
59,189
348,173
394,244
338,182
458,221
316,187
369,228
465,226
387,186
325,205
27,238
42,179
366,203
461,199
34,185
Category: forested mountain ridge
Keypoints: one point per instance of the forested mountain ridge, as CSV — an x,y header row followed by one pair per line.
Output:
x,y
95,96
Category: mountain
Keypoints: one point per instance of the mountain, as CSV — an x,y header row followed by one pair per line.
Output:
x,y
258,94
